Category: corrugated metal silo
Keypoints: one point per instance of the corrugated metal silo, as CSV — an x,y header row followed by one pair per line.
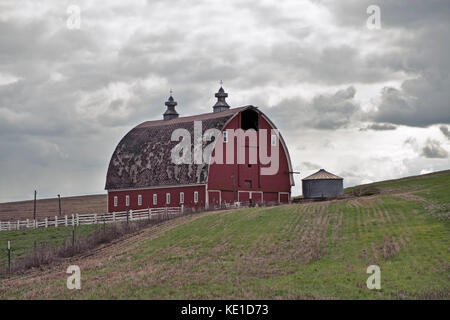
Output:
x,y
322,184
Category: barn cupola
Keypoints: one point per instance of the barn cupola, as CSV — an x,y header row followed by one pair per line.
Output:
x,y
170,113
221,104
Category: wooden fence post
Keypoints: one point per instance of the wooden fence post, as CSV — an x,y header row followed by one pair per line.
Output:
x,y
9,225
18,224
65,220
46,222
73,239
114,217
78,219
149,214
73,219
131,214
95,218
56,222
28,223
9,256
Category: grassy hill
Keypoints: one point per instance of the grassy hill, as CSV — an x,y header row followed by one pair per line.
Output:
x,y
301,251
22,210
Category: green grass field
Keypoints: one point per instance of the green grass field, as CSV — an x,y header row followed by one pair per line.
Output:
x,y
315,250
23,241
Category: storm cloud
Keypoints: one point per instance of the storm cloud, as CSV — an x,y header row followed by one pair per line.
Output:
x,y
68,96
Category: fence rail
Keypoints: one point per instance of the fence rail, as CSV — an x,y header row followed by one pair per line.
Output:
x,y
86,219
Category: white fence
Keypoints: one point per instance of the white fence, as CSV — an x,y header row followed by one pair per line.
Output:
x,y
85,219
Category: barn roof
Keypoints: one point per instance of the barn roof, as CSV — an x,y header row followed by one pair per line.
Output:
x,y
322,174
143,156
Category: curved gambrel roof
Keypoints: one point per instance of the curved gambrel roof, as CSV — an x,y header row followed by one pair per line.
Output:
x,y
142,158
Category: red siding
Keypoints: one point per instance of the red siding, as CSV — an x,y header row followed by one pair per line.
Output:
x,y
147,198
220,175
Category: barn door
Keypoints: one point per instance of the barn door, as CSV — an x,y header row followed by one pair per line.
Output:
x,y
244,197
284,197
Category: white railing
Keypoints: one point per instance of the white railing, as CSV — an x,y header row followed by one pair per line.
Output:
x,y
93,218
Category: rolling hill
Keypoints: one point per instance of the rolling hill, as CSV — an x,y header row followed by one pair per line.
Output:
x,y
21,210
317,250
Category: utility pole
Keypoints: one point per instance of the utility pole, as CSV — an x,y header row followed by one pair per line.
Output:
x,y
34,210
59,202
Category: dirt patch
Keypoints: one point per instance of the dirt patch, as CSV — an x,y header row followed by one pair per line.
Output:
x,y
389,247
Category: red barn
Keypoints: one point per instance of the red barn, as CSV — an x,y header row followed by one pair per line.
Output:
x,y
142,172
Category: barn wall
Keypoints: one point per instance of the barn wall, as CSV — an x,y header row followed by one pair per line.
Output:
x,y
322,187
248,178
147,198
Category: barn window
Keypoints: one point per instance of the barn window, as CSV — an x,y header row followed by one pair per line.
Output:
x,y
115,201
225,136
167,198
195,196
273,140
181,197
155,199
139,200
248,184
127,200
249,120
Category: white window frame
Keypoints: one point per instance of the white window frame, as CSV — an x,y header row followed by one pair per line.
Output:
x,y
139,199
273,140
155,199
195,196
116,200
181,197
168,198
127,200
225,136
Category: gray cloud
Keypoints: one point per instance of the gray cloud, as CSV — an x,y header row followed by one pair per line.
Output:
x,y
420,102
310,166
324,111
433,149
445,131
379,127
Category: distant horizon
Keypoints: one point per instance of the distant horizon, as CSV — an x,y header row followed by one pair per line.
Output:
x,y
293,195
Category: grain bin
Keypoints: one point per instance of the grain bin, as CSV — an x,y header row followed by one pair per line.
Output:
x,y
322,184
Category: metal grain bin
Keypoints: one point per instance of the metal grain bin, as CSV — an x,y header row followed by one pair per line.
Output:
x,y
322,184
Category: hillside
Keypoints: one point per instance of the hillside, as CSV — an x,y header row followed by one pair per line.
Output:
x,y
302,251
22,210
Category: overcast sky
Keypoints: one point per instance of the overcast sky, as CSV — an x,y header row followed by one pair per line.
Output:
x,y
365,104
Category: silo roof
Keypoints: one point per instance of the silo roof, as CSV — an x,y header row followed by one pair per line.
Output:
x,y
322,174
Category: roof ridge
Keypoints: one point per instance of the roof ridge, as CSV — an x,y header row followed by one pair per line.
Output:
x,y
322,174
207,115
